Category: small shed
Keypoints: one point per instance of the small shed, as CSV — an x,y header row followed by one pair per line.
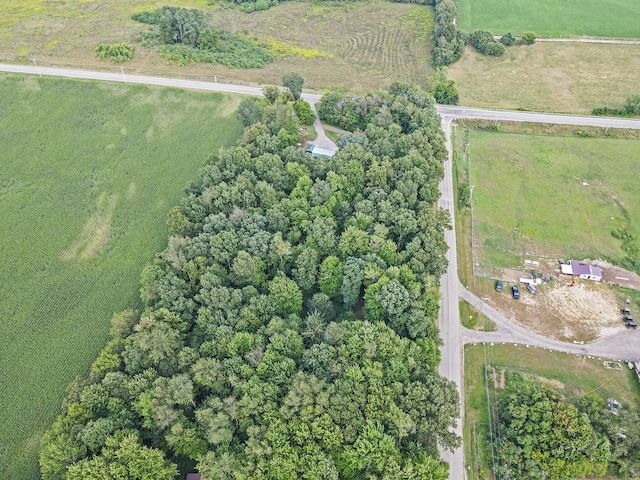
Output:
x,y
193,476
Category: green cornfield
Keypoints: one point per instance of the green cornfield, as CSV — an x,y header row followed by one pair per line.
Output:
x,y
88,173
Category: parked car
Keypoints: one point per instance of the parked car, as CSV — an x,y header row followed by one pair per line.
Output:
x,y
531,289
516,292
628,318
625,311
499,286
632,325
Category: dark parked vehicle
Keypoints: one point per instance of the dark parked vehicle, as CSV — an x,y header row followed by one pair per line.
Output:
x,y
628,318
632,324
499,286
625,311
516,292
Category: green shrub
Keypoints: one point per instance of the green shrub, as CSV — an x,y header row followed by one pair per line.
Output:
x,y
304,112
507,39
446,93
234,52
116,52
528,38
631,109
484,42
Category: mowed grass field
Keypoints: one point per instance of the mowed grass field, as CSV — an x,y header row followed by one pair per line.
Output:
x,y
570,375
88,173
360,46
552,18
551,196
547,76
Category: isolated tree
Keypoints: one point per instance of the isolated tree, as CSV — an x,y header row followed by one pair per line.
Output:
x,y
293,81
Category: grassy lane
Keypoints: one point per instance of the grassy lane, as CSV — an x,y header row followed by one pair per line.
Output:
x,y
552,18
89,172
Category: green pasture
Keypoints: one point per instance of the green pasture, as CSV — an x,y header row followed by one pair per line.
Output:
x,y
551,196
572,376
552,18
88,172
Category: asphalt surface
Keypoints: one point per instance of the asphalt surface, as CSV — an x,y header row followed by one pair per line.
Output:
x,y
453,334
449,319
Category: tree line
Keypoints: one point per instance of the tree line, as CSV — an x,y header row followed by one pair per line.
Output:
x,y
289,328
542,435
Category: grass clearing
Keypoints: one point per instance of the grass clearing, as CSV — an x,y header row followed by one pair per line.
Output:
x,y
89,172
473,319
552,18
554,77
573,375
551,196
359,46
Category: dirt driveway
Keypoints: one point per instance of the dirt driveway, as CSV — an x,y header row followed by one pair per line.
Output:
x,y
567,309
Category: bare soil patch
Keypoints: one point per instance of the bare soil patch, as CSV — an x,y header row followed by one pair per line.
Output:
x,y
95,232
582,312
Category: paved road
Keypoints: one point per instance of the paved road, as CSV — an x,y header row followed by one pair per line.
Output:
x,y
535,117
449,319
452,333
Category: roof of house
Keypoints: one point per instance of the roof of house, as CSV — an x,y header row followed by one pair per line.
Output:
x,y
319,150
583,269
193,476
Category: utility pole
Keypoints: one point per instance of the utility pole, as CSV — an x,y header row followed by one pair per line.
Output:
x,y
37,69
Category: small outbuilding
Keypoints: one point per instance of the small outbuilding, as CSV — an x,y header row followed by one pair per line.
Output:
x,y
193,476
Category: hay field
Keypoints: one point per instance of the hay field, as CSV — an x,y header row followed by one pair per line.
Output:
x,y
554,77
360,46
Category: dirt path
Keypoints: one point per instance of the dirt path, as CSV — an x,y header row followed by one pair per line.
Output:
x,y
614,41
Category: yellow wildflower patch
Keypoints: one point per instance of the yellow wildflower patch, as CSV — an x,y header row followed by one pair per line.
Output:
x,y
285,50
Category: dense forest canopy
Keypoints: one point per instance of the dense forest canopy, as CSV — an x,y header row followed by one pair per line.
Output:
x,y
290,324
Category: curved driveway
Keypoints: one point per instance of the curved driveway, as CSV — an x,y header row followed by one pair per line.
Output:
x,y
453,335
